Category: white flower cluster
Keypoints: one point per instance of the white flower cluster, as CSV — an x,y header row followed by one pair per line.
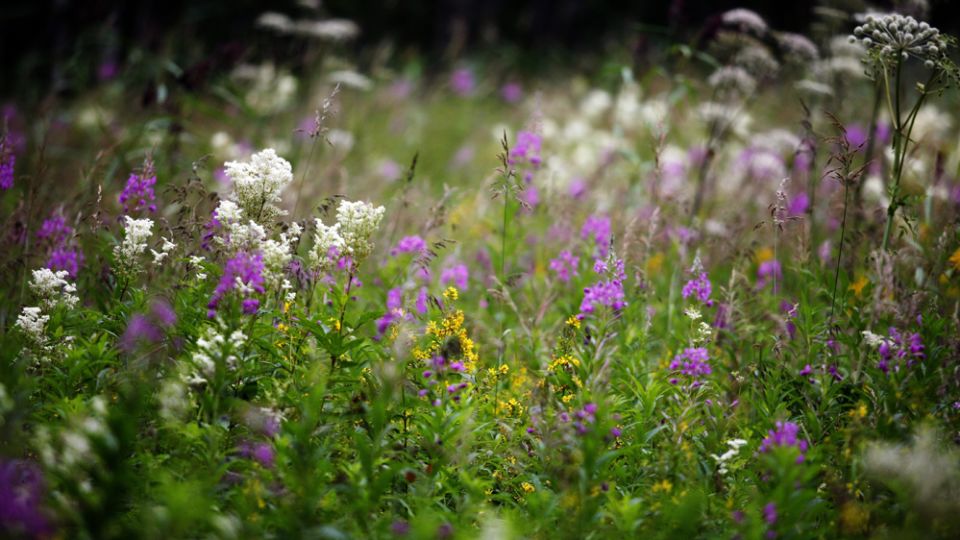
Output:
x,y
73,451
352,235
895,35
724,459
213,346
733,79
165,249
745,20
33,323
51,289
258,184
797,47
136,233
277,254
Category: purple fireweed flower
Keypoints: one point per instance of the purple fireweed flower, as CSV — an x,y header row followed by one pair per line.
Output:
x,y
577,188
457,274
393,314
786,434
400,528
527,149
68,259
694,363
243,272
22,490
511,92
806,371
260,452
799,204
770,513
699,288
606,292
139,330
565,265
856,136
138,194
790,312
163,313
422,303
55,229
7,163
462,82
900,348
598,228
409,244
768,271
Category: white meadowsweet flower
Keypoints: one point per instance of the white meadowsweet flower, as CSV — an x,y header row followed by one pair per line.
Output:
x,y
325,239
52,288
33,322
258,184
228,212
873,340
136,233
358,222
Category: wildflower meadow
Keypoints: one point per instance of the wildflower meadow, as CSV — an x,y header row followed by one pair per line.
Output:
x,y
709,288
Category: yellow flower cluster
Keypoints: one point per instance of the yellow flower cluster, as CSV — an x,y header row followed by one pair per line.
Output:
x,y
450,330
511,407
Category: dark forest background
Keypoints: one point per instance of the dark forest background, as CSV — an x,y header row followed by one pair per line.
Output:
x,y
58,44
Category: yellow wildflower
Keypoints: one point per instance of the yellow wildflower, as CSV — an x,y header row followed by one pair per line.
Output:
x,y
955,259
451,293
858,285
575,322
528,487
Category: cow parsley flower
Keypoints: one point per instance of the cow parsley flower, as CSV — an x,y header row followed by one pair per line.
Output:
x,y
897,36
745,20
258,184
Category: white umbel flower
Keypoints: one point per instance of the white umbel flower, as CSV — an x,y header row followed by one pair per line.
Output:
x,y
258,184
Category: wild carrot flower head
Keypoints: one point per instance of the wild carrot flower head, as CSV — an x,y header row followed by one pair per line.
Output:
x,y
243,273
138,194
